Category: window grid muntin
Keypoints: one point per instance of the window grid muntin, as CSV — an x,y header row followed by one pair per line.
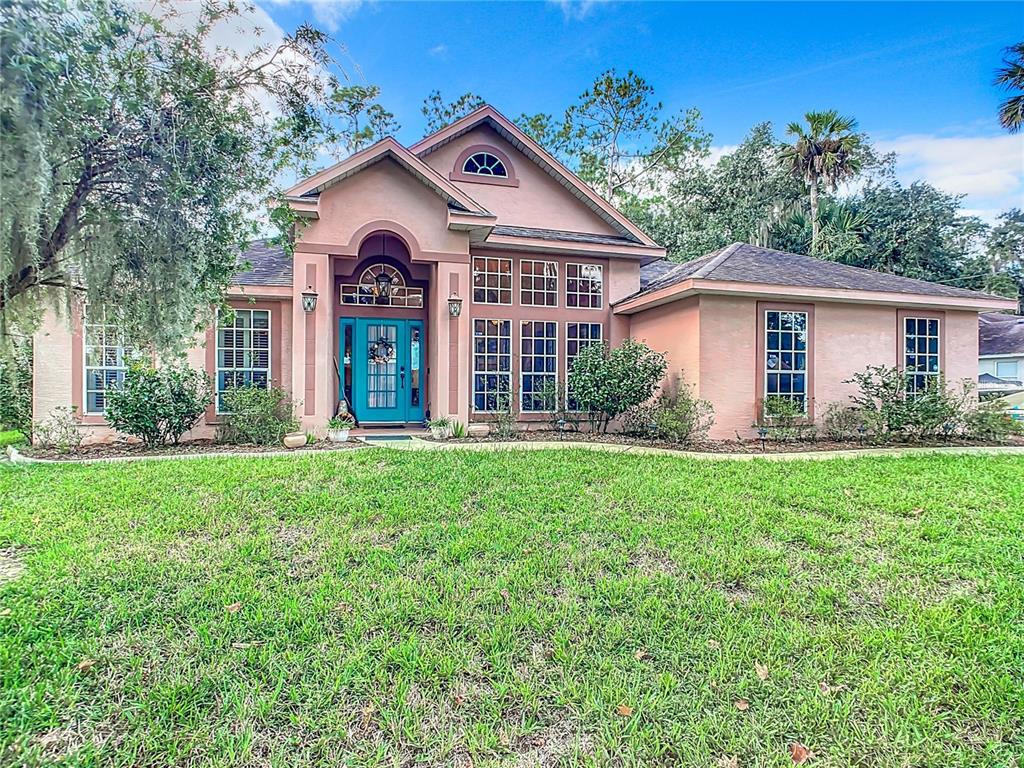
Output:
x,y
538,362
538,289
242,342
382,378
578,336
105,362
921,360
492,363
485,164
492,280
584,286
365,292
786,355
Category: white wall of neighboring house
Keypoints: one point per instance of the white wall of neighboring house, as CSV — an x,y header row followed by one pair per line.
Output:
x,y
1003,367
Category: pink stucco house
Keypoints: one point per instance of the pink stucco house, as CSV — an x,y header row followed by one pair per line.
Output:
x,y
473,264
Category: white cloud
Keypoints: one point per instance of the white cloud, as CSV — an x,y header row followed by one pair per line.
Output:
x,y
328,13
439,51
576,10
988,170
716,153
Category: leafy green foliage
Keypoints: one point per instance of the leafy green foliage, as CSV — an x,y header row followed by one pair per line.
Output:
x,y
257,416
841,422
134,150
674,415
989,421
16,387
785,419
609,382
158,405
365,121
12,437
1011,77
505,418
58,430
440,113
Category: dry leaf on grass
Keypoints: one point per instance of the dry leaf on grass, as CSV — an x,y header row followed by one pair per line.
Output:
x,y
242,646
741,704
827,689
233,607
5,612
640,653
367,713
727,761
761,669
799,753
714,645
624,710
85,665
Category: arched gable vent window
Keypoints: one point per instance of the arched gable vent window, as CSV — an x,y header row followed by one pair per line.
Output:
x,y
485,164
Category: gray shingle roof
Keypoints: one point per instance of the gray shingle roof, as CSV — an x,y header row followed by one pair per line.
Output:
x,y
563,235
268,265
1000,334
744,263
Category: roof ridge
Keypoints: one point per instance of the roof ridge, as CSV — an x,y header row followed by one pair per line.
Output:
x,y
712,265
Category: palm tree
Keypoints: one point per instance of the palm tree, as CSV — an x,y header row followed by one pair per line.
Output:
x,y
1011,76
826,152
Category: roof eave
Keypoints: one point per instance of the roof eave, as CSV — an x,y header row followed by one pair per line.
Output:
x,y
539,245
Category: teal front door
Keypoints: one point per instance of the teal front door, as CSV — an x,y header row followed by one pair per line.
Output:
x,y
386,371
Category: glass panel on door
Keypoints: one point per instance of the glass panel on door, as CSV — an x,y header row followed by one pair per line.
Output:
x,y
382,371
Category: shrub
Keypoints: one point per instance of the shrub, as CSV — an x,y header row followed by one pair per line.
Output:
x,y
553,395
12,437
881,399
674,415
841,422
158,405
59,430
458,430
990,422
505,426
16,388
784,419
609,382
256,415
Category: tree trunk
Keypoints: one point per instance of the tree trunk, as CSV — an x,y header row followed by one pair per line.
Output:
x,y
815,225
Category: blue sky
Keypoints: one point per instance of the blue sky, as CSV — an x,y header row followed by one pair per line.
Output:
x,y
917,76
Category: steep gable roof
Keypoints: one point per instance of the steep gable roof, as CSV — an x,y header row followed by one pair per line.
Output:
x,y
387,149
1000,334
266,264
532,150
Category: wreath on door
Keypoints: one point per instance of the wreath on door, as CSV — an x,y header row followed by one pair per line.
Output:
x,y
381,351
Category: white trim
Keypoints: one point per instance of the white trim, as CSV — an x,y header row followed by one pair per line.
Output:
x,y
473,369
511,277
216,353
806,351
532,356
534,291
937,354
123,353
568,362
577,293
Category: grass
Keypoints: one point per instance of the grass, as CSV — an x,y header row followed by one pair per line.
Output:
x,y
380,608
11,437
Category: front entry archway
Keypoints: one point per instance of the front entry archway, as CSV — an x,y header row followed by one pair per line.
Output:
x,y
383,369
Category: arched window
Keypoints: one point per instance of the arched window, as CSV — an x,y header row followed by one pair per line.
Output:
x,y
382,285
485,164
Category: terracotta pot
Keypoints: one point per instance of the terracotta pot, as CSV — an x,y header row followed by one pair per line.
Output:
x,y
295,440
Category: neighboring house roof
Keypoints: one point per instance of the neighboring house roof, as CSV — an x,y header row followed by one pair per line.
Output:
x,y
1000,334
988,378
268,265
745,263
531,149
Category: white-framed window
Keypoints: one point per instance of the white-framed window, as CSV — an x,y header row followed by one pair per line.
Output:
x,y
1007,369
578,336
492,364
538,364
105,358
485,164
785,356
243,351
584,286
538,283
921,352
492,280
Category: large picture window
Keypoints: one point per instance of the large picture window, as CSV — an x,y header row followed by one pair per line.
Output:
x,y
492,280
492,364
538,283
785,356
584,286
538,363
106,361
921,352
578,336
243,351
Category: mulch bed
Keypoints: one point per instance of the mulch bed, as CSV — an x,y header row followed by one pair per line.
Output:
x,y
122,448
735,446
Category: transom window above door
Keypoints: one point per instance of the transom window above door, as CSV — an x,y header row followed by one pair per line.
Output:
x,y
381,285
485,164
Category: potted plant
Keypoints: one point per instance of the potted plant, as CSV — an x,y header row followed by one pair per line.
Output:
x,y
440,429
338,427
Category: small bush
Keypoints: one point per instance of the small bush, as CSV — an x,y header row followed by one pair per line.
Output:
x,y
990,422
505,426
158,405
841,422
881,399
16,387
59,431
785,420
675,415
609,382
258,416
12,437
553,395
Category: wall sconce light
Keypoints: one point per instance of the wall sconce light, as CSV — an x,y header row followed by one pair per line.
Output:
x,y
309,297
454,305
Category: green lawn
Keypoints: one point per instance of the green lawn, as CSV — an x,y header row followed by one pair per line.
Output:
x,y
376,608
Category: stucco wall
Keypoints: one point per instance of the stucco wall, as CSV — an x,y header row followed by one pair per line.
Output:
x,y
538,201
673,329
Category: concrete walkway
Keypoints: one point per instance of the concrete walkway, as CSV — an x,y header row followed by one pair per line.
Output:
x,y
416,444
